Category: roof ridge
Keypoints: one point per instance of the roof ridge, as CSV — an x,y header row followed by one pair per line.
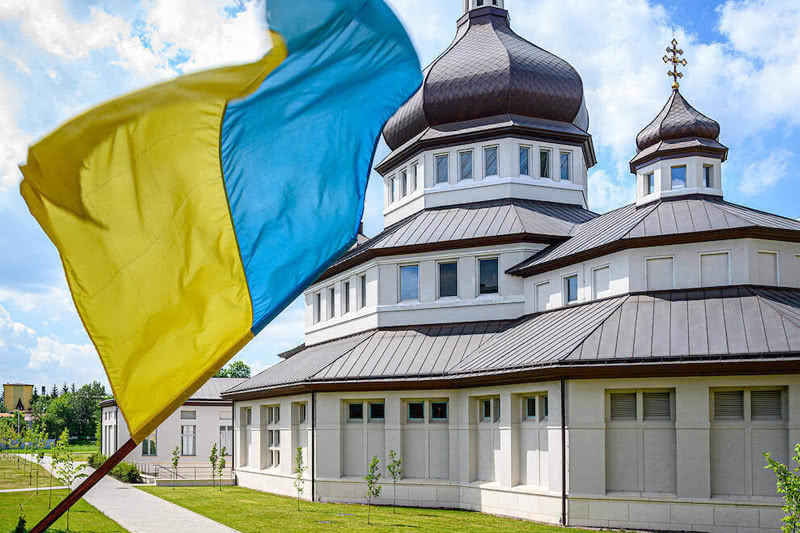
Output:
x,y
724,204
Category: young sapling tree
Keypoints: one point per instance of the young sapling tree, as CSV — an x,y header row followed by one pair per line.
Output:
x,y
299,482
372,478
221,466
176,456
68,471
395,469
789,486
213,458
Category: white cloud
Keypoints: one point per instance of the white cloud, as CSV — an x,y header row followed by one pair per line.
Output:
x,y
760,175
51,299
607,191
6,322
51,351
15,141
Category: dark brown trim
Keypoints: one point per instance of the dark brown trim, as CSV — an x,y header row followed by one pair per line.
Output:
x,y
563,451
660,240
372,253
84,487
758,364
667,153
413,149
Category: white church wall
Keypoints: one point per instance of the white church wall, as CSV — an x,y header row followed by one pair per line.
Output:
x,y
207,421
680,266
662,182
506,183
717,471
384,308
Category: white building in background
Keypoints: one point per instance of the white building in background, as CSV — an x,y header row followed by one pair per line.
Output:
x,y
203,420
525,356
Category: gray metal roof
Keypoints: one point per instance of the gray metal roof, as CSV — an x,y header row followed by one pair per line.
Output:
x,y
478,220
214,387
685,326
677,120
658,219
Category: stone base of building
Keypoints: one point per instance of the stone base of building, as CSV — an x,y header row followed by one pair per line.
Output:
x,y
715,515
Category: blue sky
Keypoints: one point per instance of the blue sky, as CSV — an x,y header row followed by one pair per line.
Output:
x,y
60,57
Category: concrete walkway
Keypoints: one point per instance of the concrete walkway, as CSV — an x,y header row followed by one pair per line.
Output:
x,y
30,489
140,512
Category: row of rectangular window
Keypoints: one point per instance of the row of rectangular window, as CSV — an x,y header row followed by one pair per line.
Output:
x,y
490,410
678,178
346,305
189,441
727,405
405,185
488,277
465,164
273,414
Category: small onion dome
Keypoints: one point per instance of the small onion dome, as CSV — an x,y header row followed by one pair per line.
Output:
x,y
487,71
678,130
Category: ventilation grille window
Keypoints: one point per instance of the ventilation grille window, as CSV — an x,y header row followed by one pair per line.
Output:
x,y
729,405
623,406
765,404
657,406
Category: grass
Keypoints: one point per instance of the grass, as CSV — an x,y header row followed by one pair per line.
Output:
x,y
80,452
250,511
83,518
16,473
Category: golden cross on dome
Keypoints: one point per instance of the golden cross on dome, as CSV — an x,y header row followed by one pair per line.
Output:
x,y
674,74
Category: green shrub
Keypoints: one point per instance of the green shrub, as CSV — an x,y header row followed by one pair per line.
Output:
x,y
96,459
127,473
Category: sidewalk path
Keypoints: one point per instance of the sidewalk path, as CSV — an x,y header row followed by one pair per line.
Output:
x,y
140,512
30,489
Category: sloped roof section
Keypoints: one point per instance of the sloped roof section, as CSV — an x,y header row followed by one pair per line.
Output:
x,y
696,326
673,218
738,321
508,218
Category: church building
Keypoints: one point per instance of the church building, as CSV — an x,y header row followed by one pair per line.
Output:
x,y
523,355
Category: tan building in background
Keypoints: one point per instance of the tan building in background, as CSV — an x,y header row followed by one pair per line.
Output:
x,y
17,396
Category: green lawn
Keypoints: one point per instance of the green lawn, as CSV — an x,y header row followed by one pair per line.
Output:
x,y
83,518
17,473
250,511
80,452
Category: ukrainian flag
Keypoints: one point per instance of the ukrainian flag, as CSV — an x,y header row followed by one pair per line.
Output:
x,y
189,214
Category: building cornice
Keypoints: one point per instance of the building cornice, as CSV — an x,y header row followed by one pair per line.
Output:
x,y
661,240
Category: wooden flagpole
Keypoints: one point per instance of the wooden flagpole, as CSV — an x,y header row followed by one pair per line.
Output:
x,y
84,487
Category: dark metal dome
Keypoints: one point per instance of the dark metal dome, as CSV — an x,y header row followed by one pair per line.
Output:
x,y
677,120
678,130
489,70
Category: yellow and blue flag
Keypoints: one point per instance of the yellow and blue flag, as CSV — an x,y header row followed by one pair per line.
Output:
x,y
189,214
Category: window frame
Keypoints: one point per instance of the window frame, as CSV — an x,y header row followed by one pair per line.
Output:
x,y
685,177
376,419
594,285
351,419
439,265
152,449
700,256
392,196
194,440
481,260
539,400
482,416
331,301
271,425
436,176
527,148
549,166
317,307
362,281
708,176
567,153
400,268
496,149
439,420
657,258
461,153
536,297
649,183
565,289
777,255
415,420
414,176
345,297
403,184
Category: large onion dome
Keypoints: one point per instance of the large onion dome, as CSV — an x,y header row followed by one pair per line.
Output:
x,y
679,129
487,71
